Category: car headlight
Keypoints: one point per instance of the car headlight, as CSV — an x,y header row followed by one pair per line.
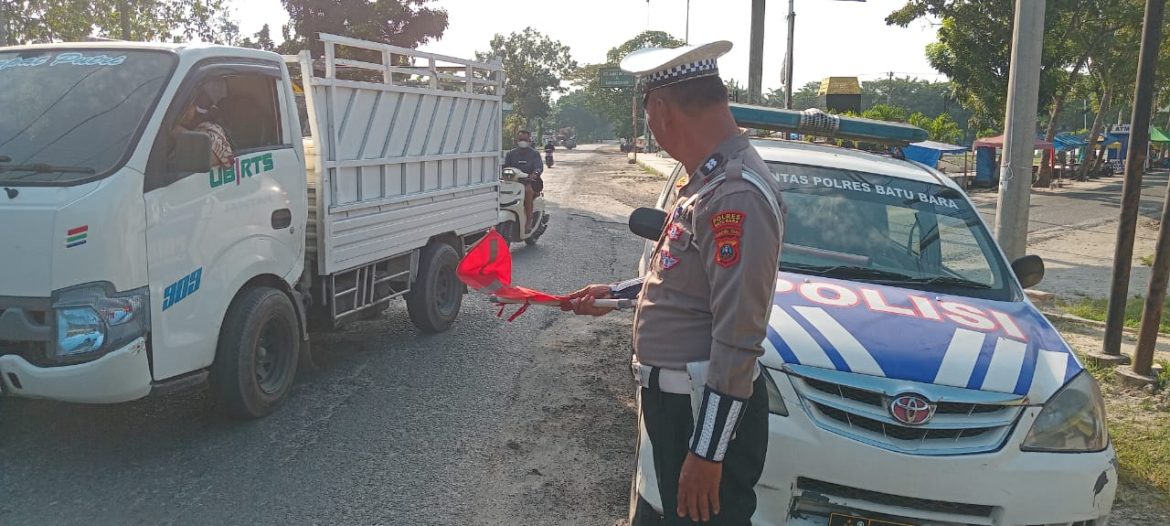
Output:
x,y
775,401
1073,420
90,320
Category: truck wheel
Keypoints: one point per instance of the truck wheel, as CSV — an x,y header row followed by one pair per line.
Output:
x,y
434,300
256,360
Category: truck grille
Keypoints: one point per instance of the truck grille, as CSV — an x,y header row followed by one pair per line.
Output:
x,y
857,406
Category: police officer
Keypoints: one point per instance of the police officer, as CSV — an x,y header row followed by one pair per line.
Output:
x,y
526,159
706,297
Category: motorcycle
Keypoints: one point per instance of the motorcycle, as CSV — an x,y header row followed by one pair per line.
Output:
x,y
548,158
513,222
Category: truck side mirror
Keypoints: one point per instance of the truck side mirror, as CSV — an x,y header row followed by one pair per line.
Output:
x,y
1029,270
192,153
648,223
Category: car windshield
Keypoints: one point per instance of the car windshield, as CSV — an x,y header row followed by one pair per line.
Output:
x,y
70,115
881,229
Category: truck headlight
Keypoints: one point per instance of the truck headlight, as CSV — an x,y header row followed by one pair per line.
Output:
x,y
1073,420
91,320
775,401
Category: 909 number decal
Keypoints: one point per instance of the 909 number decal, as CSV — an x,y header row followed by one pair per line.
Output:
x,y
179,290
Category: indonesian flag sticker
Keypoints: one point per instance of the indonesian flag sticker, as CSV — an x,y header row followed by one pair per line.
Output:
x,y
487,268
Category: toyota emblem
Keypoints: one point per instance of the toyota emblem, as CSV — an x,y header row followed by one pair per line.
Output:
x,y
911,409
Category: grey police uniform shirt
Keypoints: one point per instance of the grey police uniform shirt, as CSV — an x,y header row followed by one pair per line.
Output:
x,y
526,160
712,277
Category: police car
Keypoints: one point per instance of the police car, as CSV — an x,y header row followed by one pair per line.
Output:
x,y
910,379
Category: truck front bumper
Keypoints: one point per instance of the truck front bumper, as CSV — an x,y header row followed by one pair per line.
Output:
x,y
119,376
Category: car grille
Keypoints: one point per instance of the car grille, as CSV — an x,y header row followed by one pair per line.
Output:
x,y
857,406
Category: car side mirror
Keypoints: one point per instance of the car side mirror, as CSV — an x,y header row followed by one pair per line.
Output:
x,y
1029,270
192,153
648,223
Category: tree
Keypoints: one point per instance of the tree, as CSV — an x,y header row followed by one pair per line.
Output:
x,y
737,92
263,40
40,21
616,104
572,110
534,66
403,23
882,112
942,128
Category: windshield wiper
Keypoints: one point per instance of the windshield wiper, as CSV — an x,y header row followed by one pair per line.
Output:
x,y
849,271
42,168
5,159
948,281
884,276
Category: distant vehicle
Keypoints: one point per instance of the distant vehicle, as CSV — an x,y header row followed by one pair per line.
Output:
x,y
910,380
133,266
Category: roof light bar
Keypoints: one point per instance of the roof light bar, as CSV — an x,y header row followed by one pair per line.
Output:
x,y
821,124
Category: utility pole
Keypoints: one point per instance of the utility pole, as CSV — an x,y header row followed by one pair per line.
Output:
x,y
890,90
1015,180
1139,139
756,53
687,37
124,10
3,23
788,54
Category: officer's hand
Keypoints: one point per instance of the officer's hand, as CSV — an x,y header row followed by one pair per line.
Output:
x,y
698,488
582,301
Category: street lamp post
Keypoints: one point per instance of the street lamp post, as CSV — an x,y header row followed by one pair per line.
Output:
x,y
788,54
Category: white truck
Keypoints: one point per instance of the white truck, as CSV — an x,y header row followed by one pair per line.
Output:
x,y
130,265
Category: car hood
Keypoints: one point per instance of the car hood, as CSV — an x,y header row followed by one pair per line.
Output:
x,y
917,336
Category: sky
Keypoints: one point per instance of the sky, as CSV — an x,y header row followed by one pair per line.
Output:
x,y
832,38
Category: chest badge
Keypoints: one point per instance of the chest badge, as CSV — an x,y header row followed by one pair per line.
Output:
x,y
669,261
674,231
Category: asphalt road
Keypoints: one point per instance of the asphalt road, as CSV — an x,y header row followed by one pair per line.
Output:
x,y
397,428
1078,207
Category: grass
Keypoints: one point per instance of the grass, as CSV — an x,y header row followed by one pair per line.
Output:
x,y
1143,450
1095,309
648,170
1147,260
1139,427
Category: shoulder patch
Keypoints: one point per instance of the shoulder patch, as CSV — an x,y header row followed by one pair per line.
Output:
x,y
727,251
728,228
726,219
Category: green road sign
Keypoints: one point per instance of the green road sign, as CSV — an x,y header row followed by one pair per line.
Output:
x,y
616,78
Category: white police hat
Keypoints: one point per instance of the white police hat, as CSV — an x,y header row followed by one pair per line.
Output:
x,y
661,67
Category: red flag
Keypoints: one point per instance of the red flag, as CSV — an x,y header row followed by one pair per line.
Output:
x,y
487,268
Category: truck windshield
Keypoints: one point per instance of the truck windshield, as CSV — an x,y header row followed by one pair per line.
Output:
x,y
881,229
70,115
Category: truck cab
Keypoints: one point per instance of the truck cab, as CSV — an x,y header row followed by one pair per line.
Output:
x,y
135,261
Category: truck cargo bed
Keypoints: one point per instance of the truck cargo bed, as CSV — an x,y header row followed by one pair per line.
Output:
x,y
401,151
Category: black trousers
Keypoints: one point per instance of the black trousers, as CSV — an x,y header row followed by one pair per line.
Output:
x,y
669,423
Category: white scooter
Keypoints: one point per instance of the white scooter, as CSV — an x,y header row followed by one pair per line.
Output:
x,y
513,221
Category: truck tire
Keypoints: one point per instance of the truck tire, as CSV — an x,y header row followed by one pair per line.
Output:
x,y
434,301
256,359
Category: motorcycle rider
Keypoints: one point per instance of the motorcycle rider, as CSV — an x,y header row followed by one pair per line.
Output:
x,y
526,159
549,147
